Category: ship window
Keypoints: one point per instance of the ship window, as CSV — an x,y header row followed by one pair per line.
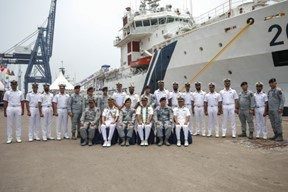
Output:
x,y
280,58
176,19
162,20
170,19
138,24
146,23
154,21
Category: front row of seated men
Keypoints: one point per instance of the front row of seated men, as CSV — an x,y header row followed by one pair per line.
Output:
x,y
128,119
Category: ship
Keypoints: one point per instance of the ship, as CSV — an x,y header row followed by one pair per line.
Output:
x,y
243,40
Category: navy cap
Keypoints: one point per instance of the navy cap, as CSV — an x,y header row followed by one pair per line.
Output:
x,y
273,80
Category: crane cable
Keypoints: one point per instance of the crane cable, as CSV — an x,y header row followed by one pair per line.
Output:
x,y
250,22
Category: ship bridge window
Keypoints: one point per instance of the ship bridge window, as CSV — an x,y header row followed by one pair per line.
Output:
x,y
146,23
154,21
170,19
162,20
138,23
176,19
280,58
185,20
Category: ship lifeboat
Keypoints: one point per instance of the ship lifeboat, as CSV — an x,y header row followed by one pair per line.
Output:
x,y
142,62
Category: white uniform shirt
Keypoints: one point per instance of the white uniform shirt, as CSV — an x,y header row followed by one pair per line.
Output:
x,y
174,96
260,99
13,98
198,98
187,98
33,99
159,94
181,114
134,99
119,97
46,99
110,113
212,99
145,113
228,96
61,100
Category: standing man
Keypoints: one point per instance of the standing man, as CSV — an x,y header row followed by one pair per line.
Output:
x,y
119,96
144,114
103,100
60,109
198,109
75,106
163,118
173,95
32,104
13,110
182,118
212,107
161,92
126,122
46,112
276,102
246,106
151,99
90,95
229,99
187,95
89,121
135,99
261,110
110,117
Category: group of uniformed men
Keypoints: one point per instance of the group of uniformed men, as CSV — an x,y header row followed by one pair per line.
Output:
x,y
126,112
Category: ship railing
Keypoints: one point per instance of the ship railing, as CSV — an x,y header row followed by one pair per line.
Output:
x,y
220,10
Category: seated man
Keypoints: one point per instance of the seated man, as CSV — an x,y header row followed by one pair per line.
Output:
x,y
126,121
181,118
110,116
89,121
144,115
163,118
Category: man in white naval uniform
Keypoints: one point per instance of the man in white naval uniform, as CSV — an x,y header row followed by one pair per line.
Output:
x,y
212,103
32,105
60,108
161,92
173,95
187,95
229,107
261,111
46,112
13,110
198,109
144,114
110,117
135,99
119,96
181,118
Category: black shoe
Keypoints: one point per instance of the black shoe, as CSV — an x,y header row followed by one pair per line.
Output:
x,y
273,138
167,143
279,138
160,143
243,134
84,143
250,135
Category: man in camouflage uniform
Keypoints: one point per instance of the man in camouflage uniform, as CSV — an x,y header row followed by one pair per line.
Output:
x,y
103,99
246,110
89,121
126,121
90,95
276,102
75,105
163,118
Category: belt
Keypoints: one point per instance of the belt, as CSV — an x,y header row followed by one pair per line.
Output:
x,y
14,105
212,105
229,104
259,106
47,106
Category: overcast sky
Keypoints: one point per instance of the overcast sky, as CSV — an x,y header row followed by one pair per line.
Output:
x,y
84,31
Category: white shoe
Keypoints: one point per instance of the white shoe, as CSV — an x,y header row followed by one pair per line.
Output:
x,y
19,140
233,136
265,137
50,138
203,134
195,134
146,143
217,135
142,143
108,144
37,139
179,143
257,136
104,144
9,141
186,143
66,137
58,138
30,139
44,139
223,135
209,135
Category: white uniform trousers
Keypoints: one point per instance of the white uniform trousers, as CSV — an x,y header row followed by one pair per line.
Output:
x,y
46,122
229,114
62,123
14,118
213,120
34,123
199,120
190,127
260,122
146,128
185,130
108,124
